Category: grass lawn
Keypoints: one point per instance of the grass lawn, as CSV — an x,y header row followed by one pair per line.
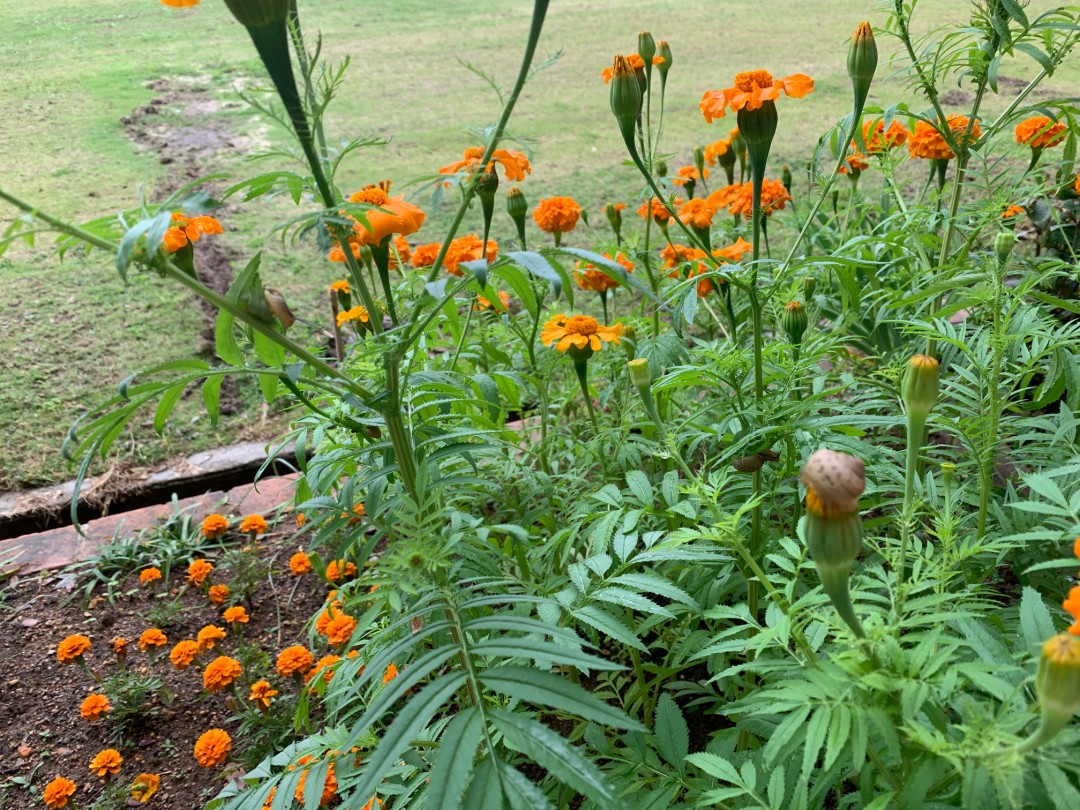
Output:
x,y
69,332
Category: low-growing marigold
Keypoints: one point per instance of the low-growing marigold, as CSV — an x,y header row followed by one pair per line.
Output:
x,y
214,526
557,214
337,570
221,673
144,787
184,653
94,707
299,563
107,762
152,638
254,524
340,629
752,89
357,313
212,748
580,332
322,621
149,575
119,646
218,594
235,615
325,667
72,648
294,660
58,792
209,636
1040,132
198,571
261,692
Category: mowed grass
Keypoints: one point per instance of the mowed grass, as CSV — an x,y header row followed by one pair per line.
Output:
x,y
70,331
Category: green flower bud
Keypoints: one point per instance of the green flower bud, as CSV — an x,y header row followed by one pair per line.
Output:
x,y
664,52
626,95
757,128
660,168
646,48
629,341
809,284
832,528
1057,683
487,184
785,177
640,375
259,13
1003,244
699,162
517,207
614,218
862,64
920,386
794,321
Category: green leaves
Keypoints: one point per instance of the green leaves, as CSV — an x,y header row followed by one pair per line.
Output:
x,y
545,689
671,731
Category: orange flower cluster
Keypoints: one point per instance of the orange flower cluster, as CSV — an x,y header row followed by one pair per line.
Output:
x,y
854,164
635,61
198,571
878,140
221,673
716,150
57,793
739,199
752,89
188,229
697,213
295,660
107,763
926,141
254,524
235,615
152,638
212,748
340,629
598,280
209,636
1040,132
149,575
94,707
299,563
72,648
467,248
323,666
657,210
218,594
557,214
515,164
214,526
357,313
184,653
688,174
579,332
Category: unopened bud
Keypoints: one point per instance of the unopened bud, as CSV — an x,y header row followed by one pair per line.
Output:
x,y
1003,244
794,321
646,48
757,128
785,177
517,207
259,13
614,217
920,386
640,375
699,161
661,168
629,341
862,64
1057,683
809,285
663,50
625,100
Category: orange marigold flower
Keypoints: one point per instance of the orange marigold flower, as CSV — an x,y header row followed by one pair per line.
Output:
x,y
357,313
324,666
686,174
515,164
1076,547
734,252
579,331
340,629
390,674
773,197
235,615
107,762
329,786
590,278
752,89
94,706
180,3
323,620
184,653
119,646
254,524
636,63
425,255
854,164
340,286
218,594
188,229
299,563
261,692
214,526
1040,132
674,255
152,638
57,793
467,248
209,636
293,660
657,210
373,803
878,140
697,213
717,149
145,786
221,672
198,571
483,303
393,215
724,197
926,141
336,254
72,648
557,214
1012,211
358,512
212,748
336,570
149,575
401,252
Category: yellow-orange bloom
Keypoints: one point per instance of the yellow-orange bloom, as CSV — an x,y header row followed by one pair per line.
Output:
x,y
557,214
879,140
293,660
183,653
340,629
119,647
254,523
220,673
357,313
235,615
390,674
329,786
580,332
635,62
1012,211
57,793
107,762
261,692
773,197
324,666
1040,132
336,570
854,164
926,142
149,575
299,563
734,252
72,648
212,748
341,286
686,174
752,89
188,229
590,278
697,213
198,571
209,636
515,164
94,706
657,210
218,594
393,215
214,526
322,621
145,786
483,303
152,638
358,512
425,255
467,248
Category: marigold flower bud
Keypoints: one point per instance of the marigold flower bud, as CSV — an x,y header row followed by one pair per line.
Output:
x,y
832,527
614,218
487,184
660,168
663,50
640,375
646,48
517,207
629,341
626,95
699,161
785,177
920,386
757,128
809,285
1003,244
794,321
862,64
1057,683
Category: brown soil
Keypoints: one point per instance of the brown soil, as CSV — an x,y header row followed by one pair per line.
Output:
x,y
41,732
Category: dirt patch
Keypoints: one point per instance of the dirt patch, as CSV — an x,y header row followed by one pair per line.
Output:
x,y
42,734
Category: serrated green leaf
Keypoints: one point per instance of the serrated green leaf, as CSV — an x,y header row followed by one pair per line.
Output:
x,y
671,732
545,689
454,762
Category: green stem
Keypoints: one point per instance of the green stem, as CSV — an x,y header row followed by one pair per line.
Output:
x,y
916,423
581,367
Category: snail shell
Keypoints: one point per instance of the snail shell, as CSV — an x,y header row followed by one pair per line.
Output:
x,y
837,479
